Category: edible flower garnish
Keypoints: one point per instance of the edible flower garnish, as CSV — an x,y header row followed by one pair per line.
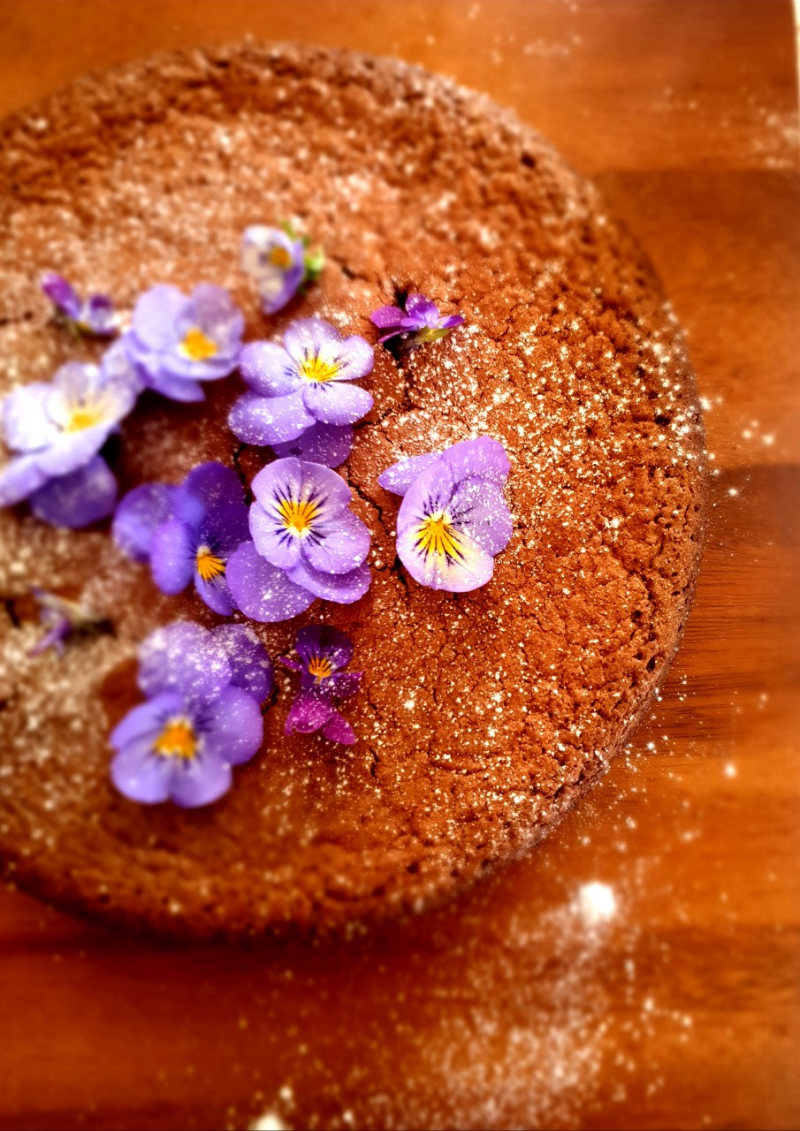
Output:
x,y
279,263
187,532
419,323
202,714
453,520
55,432
94,315
61,618
178,342
302,527
301,384
323,651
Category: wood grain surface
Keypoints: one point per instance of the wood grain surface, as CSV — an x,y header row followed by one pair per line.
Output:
x,y
522,1005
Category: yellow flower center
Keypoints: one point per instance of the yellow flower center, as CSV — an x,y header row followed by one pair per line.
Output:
x,y
280,257
208,564
82,417
177,740
197,346
297,516
319,370
437,535
320,668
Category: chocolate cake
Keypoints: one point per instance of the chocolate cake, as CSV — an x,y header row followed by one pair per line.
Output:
x,y
481,716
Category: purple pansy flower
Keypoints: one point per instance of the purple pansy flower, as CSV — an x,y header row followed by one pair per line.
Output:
x,y
302,526
93,316
330,444
305,382
202,714
453,519
187,532
178,342
56,431
323,651
279,263
61,618
419,323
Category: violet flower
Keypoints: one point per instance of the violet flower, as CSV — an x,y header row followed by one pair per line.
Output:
x,y
302,525
61,618
179,342
188,532
323,651
419,323
202,714
275,260
453,520
301,384
94,315
56,431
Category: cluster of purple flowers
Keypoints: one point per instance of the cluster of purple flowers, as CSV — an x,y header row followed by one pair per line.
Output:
x,y
297,541
203,712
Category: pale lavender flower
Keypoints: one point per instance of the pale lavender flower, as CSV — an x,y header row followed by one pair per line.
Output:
x,y
94,315
453,520
202,715
178,341
276,262
419,323
305,382
323,651
55,432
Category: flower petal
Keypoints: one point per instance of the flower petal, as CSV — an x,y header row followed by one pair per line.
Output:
x,y
26,423
172,555
155,317
338,546
344,588
141,775
332,402
248,658
208,485
268,369
322,640
61,293
269,420
423,310
387,317
337,729
301,482
484,457
262,591
215,594
145,722
19,478
308,713
399,477
471,568
200,781
480,510
174,386
233,726
329,444
279,545
183,657
137,517
344,684
212,310
78,499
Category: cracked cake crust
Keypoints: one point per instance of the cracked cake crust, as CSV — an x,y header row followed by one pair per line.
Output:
x,y
482,716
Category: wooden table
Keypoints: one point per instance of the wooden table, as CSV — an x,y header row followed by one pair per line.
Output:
x,y
528,1003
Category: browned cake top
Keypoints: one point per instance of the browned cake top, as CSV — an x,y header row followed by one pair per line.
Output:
x,y
481,715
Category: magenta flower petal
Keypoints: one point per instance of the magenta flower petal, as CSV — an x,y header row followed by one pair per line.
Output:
x,y
138,516
345,684
399,477
172,556
422,310
261,590
337,403
308,713
78,499
268,369
387,317
269,420
337,729
329,444
344,588
249,660
62,295
235,727
341,548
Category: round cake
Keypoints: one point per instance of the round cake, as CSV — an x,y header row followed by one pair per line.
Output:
x,y
481,716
